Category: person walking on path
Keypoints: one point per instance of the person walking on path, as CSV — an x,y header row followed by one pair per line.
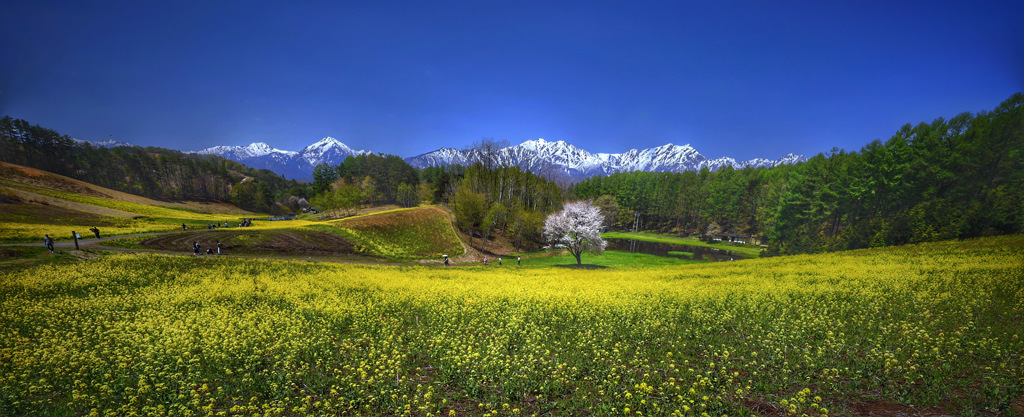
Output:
x,y
519,260
485,261
499,261
48,241
195,248
218,248
183,227
95,231
446,260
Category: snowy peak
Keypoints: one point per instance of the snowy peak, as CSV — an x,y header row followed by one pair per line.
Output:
x,y
559,153
328,150
325,145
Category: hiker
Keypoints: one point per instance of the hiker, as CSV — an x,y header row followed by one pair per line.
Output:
x,y
499,261
519,260
195,248
446,260
95,231
209,251
183,227
485,261
218,248
225,224
48,241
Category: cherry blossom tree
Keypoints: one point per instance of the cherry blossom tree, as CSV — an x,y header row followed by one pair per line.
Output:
x,y
578,227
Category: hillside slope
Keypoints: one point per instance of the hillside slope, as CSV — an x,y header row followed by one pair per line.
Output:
x,y
416,233
35,202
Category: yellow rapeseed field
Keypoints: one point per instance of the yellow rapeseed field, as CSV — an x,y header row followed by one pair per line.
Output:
x,y
933,325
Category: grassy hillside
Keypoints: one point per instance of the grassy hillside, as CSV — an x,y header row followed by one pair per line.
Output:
x,y
393,235
34,203
921,330
422,232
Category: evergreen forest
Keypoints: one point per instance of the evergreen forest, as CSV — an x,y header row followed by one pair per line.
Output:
x,y
150,172
956,178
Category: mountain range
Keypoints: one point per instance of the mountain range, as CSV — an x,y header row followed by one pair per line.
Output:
x,y
552,158
108,143
542,156
289,164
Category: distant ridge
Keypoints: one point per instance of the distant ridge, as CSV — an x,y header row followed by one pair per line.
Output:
x,y
289,164
109,143
542,156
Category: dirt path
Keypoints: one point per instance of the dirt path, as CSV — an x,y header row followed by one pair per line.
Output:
x,y
262,244
93,244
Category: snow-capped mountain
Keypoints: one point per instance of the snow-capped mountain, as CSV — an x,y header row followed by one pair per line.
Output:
x,y
328,150
290,164
254,150
108,143
541,155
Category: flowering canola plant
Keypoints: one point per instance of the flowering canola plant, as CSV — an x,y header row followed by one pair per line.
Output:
x,y
142,334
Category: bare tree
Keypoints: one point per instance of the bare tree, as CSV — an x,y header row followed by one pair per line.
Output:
x,y
487,151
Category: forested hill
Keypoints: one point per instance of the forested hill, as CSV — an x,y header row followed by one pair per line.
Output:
x,y
956,178
151,172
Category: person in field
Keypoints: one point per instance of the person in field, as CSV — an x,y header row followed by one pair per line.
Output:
x,y
195,248
218,248
499,261
446,260
48,241
95,231
519,260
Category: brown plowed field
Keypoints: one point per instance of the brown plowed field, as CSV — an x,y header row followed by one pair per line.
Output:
x,y
262,242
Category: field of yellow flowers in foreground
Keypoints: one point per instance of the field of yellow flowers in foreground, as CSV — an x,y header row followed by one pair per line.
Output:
x,y
932,326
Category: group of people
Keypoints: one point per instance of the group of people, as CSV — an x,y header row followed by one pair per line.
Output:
x,y
197,249
48,241
519,260
214,226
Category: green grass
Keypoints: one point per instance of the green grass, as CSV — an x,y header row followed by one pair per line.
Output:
x,y
399,235
18,258
130,242
608,259
681,253
750,251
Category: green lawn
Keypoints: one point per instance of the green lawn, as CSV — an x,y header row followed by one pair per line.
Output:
x,y
613,259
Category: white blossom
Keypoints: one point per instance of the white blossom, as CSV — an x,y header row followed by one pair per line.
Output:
x,y
577,227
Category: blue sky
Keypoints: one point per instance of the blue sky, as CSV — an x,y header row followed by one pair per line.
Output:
x,y
732,78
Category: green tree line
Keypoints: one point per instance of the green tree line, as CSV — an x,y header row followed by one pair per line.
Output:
x,y
956,178
485,201
150,172
502,200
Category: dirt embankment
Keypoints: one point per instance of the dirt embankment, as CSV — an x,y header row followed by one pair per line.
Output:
x,y
288,243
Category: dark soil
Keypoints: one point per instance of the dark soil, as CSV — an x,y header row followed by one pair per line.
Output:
x,y
263,242
45,214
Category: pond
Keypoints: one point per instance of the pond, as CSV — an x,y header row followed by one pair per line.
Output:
x,y
672,250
